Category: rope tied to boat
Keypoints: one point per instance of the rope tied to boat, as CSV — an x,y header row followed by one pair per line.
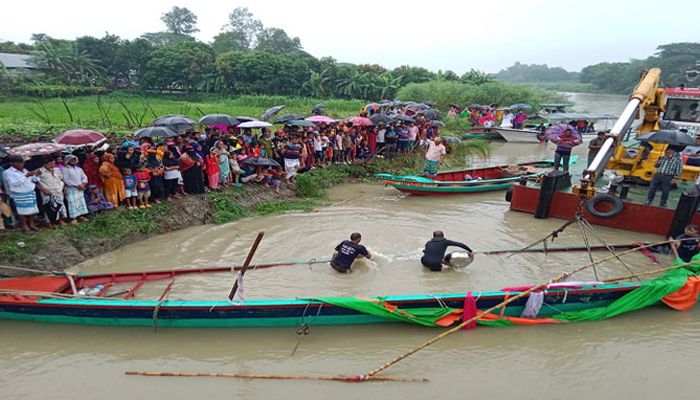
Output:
x,y
305,327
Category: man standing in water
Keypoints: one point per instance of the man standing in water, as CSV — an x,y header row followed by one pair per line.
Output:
x,y
435,249
347,251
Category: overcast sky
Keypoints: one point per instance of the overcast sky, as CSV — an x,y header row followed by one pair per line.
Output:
x,y
456,35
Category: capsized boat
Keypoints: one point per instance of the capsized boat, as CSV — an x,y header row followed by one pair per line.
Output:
x,y
520,135
57,299
480,134
499,177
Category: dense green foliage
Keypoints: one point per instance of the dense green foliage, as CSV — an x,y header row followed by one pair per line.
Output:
x,y
315,183
535,73
447,92
608,77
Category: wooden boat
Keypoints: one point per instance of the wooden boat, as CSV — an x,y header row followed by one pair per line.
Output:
x,y
519,135
51,299
454,182
481,135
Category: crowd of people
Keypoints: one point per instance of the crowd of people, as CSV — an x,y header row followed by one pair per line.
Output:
x,y
67,187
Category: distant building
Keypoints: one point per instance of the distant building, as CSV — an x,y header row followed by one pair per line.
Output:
x,y
18,63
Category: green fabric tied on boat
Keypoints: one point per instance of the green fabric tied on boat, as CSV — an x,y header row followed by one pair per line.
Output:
x,y
648,293
421,316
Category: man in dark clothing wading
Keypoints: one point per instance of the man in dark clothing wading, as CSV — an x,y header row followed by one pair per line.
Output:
x,y
347,251
435,249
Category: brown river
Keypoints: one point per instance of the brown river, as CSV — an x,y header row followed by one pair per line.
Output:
x,y
650,354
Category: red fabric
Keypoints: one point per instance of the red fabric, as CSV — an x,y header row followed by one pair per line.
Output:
x,y
92,171
469,311
212,165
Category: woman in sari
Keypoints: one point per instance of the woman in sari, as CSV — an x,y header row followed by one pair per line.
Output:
x,y
157,183
76,183
91,167
191,168
224,168
112,180
171,174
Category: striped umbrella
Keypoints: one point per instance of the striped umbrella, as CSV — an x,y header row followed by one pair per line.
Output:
x,y
37,149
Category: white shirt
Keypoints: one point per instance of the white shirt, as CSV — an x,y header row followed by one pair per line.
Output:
x,y
507,120
380,136
17,181
51,180
318,146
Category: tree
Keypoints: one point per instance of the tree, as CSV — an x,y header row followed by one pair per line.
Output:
x,y
181,65
230,41
19,48
535,73
132,59
104,51
241,20
180,21
163,38
476,77
318,83
410,74
276,40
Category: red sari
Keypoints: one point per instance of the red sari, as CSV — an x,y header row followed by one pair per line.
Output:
x,y
92,171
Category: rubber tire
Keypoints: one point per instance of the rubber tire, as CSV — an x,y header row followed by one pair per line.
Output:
x,y
509,194
541,136
618,206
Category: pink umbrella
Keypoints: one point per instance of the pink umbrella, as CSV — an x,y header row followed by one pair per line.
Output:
x,y
361,121
80,137
36,149
320,118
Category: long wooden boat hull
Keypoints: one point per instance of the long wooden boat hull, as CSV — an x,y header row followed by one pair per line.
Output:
x,y
481,135
453,182
518,135
270,313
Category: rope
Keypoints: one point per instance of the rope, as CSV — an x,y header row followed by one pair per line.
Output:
x,y
610,249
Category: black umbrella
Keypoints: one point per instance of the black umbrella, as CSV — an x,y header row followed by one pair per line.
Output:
x,y
156,131
301,122
474,106
262,161
520,105
430,114
3,152
175,122
219,119
665,136
385,102
287,117
430,103
402,117
318,109
398,103
439,124
379,119
419,105
243,118
271,112
453,105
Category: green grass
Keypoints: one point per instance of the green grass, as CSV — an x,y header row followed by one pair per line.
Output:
x,y
274,207
18,246
123,112
315,183
226,206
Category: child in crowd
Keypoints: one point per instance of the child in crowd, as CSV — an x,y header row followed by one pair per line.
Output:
x,y
143,190
96,202
686,249
129,188
212,161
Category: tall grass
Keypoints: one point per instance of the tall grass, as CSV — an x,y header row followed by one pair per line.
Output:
x,y
446,92
117,111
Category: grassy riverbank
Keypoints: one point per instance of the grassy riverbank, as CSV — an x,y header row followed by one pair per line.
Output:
x,y
123,112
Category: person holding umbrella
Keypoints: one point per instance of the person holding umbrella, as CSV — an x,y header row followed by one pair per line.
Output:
x,y
52,191
21,184
566,141
668,169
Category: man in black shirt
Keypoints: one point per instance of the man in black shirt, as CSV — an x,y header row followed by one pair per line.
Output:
x,y
347,251
435,249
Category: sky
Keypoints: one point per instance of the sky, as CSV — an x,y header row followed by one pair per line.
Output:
x,y
448,35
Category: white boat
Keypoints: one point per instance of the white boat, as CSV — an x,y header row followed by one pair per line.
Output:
x,y
518,135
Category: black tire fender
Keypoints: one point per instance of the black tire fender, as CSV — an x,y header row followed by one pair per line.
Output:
x,y
617,206
509,194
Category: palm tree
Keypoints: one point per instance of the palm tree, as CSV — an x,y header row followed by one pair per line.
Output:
x,y
80,65
352,85
49,57
317,83
388,85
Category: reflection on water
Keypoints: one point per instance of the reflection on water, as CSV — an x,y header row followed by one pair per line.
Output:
x,y
647,354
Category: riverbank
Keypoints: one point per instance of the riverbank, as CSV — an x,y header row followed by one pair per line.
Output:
x,y
60,248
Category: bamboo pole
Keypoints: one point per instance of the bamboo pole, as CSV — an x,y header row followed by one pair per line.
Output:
x,y
652,272
356,378
246,263
502,304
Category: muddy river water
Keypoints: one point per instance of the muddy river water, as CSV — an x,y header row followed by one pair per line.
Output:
x,y
649,354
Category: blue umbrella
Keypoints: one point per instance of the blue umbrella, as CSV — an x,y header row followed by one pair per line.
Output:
x,y
553,131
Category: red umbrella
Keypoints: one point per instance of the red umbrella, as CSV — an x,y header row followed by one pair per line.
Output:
x,y
361,121
80,137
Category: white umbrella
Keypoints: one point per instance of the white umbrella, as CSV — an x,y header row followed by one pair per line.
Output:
x,y
255,124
